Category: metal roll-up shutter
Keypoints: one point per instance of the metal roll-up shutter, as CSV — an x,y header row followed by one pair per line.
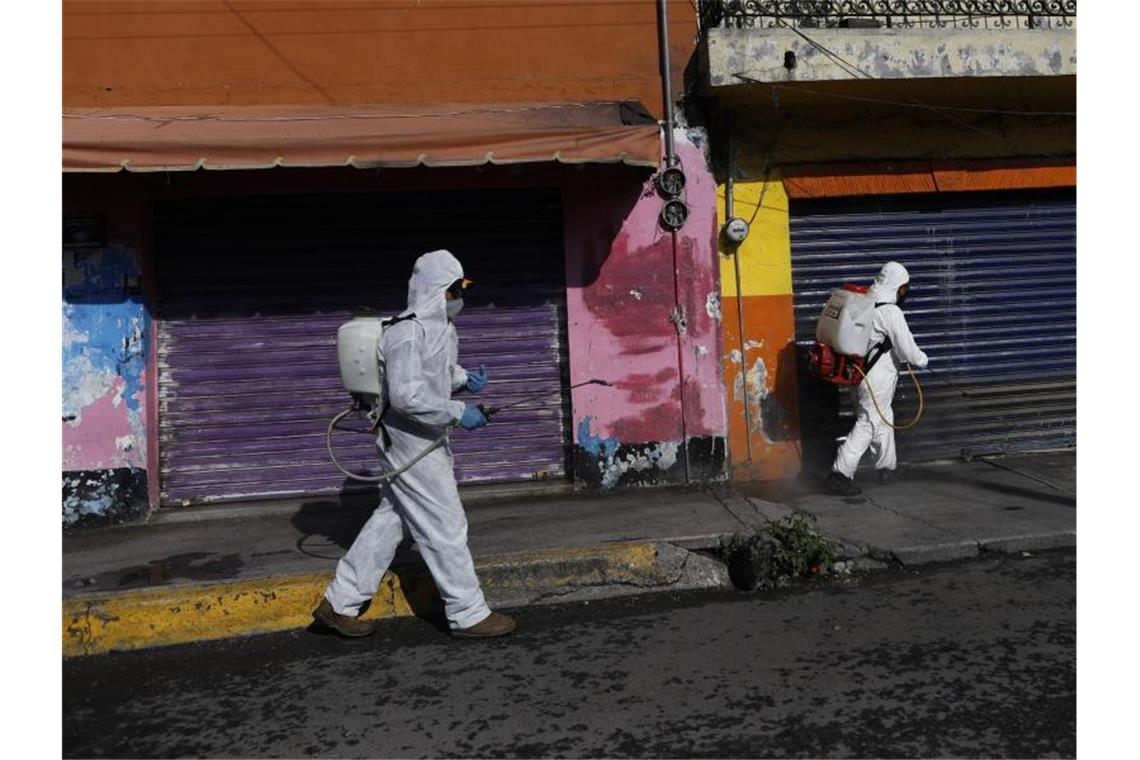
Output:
x,y
251,291
992,302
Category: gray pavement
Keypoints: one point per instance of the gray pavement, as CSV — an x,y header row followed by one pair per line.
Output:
x,y
933,513
968,659
941,511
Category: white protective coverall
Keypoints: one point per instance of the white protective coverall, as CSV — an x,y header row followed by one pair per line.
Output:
x,y
870,429
421,374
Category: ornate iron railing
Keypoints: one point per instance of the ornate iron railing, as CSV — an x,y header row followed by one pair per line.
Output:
x,y
907,14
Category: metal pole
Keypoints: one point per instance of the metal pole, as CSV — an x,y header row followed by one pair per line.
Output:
x,y
671,160
666,79
729,212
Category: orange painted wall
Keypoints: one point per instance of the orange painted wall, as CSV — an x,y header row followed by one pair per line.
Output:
x,y
243,52
760,365
764,444
827,180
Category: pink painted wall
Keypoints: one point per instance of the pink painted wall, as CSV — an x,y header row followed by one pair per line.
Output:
x,y
107,391
105,339
621,291
621,286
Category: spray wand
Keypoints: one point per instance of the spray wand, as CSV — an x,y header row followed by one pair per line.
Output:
x,y
490,410
487,412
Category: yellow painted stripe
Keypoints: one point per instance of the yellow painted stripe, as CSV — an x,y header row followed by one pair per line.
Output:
x,y
180,614
766,254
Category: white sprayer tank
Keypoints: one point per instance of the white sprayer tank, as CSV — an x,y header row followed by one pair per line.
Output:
x,y
357,347
845,323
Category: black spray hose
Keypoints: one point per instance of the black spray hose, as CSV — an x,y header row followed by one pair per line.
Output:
x,y
487,412
968,457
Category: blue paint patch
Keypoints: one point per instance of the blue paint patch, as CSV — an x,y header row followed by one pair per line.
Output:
x,y
602,448
105,327
99,274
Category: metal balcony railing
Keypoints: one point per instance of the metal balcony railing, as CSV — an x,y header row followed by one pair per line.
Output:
x,y
905,14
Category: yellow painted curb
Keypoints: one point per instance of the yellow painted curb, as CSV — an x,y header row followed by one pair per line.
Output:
x,y
137,619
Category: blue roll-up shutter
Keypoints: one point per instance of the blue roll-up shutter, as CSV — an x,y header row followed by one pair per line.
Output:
x,y
993,302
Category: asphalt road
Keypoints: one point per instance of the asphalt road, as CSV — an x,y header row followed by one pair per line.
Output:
x,y
968,660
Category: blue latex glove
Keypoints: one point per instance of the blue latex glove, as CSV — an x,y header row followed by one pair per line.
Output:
x,y
472,418
477,381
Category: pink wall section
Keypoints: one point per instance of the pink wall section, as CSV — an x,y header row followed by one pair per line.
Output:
x,y
108,435
621,293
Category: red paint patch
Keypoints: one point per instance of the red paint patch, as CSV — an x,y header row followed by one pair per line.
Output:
x,y
632,294
658,423
644,388
695,424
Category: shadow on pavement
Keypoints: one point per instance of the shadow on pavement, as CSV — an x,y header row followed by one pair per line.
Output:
x,y
329,526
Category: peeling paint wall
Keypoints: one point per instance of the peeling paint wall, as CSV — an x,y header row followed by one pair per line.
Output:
x,y
759,54
759,332
781,142
643,308
667,402
104,434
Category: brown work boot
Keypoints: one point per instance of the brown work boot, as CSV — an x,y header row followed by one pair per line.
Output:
x,y
495,624
342,624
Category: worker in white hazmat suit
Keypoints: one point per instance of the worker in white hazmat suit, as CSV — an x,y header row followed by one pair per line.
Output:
x,y
420,353
871,430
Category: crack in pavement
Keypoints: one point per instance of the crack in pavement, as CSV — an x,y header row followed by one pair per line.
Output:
x,y
566,591
727,508
896,513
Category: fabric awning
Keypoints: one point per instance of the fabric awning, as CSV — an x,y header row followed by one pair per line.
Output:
x,y
262,137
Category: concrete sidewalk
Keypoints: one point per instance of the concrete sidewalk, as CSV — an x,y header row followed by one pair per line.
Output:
x,y
942,511
213,572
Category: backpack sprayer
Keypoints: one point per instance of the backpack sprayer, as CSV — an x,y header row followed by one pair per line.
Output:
x,y
843,354
362,372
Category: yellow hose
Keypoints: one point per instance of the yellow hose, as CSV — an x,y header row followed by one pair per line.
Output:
x,y
921,401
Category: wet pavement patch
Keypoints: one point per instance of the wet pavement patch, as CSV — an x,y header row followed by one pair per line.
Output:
x,y
195,566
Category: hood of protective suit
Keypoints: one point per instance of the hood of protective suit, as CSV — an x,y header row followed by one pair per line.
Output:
x,y
432,274
885,288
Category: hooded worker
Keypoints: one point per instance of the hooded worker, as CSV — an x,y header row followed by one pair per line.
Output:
x,y
872,429
420,351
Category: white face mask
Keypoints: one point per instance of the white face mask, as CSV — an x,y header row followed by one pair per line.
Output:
x,y
454,307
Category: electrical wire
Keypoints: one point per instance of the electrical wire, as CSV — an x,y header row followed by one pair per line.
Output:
x,y
849,68
839,60
853,70
1024,474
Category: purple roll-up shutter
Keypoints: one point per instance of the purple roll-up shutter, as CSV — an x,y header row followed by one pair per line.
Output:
x,y
253,289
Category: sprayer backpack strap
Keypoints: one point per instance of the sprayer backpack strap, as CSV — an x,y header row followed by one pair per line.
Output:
x,y
878,349
387,323
393,320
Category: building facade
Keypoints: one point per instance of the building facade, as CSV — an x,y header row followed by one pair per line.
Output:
x,y
240,177
941,135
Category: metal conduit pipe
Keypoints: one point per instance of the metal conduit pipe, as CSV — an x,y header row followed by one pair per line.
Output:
x,y
670,161
666,79
729,213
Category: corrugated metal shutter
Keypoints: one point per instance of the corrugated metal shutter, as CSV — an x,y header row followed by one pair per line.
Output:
x,y
992,301
251,291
